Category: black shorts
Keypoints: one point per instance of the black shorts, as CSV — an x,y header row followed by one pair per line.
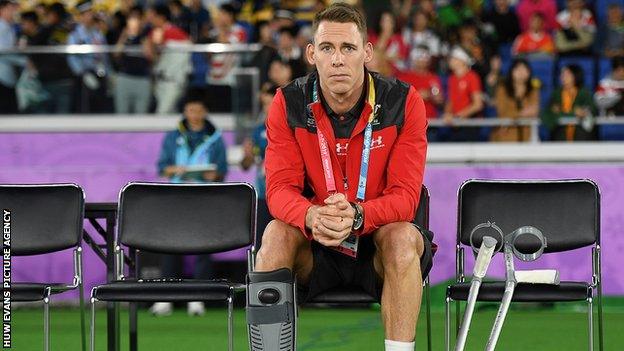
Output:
x,y
331,269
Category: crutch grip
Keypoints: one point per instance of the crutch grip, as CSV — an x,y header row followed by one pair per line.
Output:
x,y
484,256
538,276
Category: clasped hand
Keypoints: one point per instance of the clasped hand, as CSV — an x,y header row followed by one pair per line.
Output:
x,y
331,224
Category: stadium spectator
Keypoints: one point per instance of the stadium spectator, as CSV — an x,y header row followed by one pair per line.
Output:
x,y
132,82
427,83
180,15
575,34
451,14
170,68
517,96
90,70
200,20
571,99
117,24
609,96
282,18
611,36
52,70
535,42
289,51
547,8
465,97
253,154
263,58
194,152
428,7
386,38
221,74
280,72
8,63
471,42
494,76
501,23
419,34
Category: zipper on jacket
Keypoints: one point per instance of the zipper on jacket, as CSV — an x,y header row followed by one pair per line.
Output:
x,y
346,185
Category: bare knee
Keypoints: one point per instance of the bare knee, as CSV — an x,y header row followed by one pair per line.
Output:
x,y
400,246
280,244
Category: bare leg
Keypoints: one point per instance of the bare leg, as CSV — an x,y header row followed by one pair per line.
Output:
x,y
397,261
284,246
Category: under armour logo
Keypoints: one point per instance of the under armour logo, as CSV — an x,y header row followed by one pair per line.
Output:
x,y
377,142
341,149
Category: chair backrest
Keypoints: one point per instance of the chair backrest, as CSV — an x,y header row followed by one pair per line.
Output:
x,y
566,211
421,218
186,218
44,217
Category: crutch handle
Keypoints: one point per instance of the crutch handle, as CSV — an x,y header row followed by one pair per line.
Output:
x,y
538,276
485,255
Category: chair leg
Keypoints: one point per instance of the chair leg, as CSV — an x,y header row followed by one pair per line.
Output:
x,y
457,320
46,323
133,326
92,326
600,337
590,311
83,328
230,302
428,310
447,324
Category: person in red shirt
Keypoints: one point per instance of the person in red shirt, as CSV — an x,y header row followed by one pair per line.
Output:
x,y
465,97
344,168
547,8
536,41
427,83
171,69
387,38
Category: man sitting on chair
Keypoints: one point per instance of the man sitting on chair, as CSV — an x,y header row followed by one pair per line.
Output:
x,y
344,166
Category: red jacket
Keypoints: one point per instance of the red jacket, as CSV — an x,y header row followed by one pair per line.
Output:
x,y
294,173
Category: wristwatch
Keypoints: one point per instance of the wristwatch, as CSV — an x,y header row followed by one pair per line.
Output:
x,y
358,219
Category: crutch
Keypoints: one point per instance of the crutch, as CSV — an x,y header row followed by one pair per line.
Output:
x,y
481,265
512,278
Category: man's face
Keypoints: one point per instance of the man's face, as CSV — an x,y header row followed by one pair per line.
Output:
x,y
501,5
536,23
456,64
422,63
86,18
618,73
339,54
29,27
195,112
280,73
575,4
8,12
223,19
286,41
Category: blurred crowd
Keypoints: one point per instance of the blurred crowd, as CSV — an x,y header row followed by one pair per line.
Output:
x,y
547,59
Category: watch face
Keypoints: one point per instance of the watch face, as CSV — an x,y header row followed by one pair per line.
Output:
x,y
357,221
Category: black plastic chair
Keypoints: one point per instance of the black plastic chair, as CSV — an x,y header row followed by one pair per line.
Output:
x,y
567,212
179,219
45,218
351,295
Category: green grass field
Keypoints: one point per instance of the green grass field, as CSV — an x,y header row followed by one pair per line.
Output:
x,y
561,327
